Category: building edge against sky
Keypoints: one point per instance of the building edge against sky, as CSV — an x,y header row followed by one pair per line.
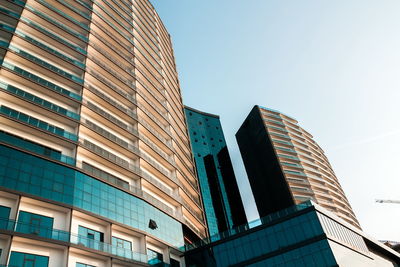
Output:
x,y
96,166
223,205
285,166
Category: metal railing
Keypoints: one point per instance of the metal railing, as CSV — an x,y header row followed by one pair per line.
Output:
x,y
245,227
70,238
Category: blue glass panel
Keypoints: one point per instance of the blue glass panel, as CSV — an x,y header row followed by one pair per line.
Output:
x,y
46,179
19,259
4,215
154,257
78,264
36,224
91,238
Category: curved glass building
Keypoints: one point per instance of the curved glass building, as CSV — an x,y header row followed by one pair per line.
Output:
x,y
96,167
286,166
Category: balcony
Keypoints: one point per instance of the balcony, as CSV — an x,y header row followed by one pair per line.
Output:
x,y
69,238
39,101
45,47
109,156
40,28
41,81
44,64
22,117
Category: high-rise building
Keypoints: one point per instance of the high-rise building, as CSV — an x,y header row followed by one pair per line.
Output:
x,y
285,166
96,167
221,197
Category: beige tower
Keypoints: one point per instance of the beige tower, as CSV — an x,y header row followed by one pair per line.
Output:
x,y
286,166
89,90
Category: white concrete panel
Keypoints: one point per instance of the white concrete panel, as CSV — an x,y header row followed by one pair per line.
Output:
x,y
56,254
11,201
98,261
131,238
91,223
60,215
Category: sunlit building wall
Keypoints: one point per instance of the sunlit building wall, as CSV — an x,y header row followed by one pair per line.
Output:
x,y
96,167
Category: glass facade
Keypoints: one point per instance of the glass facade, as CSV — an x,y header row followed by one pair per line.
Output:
x,y
316,254
26,173
19,259
221,197
303,235
267,240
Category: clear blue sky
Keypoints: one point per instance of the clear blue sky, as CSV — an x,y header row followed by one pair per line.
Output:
x,y
333,65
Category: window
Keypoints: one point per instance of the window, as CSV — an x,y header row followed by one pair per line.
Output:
x,y
78,264
154,256
120,246
174,263
28,260
4,216
31,223
90,238
105,175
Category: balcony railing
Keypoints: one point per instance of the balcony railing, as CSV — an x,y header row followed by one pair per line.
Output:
x,y
22,117
106,134
43,63
198,215
40,28
112,59
154,132
70,238
41,81
243,228
151,144
111,101
109,156
39,101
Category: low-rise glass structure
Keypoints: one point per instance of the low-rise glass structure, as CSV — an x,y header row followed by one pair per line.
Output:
x,y
303,235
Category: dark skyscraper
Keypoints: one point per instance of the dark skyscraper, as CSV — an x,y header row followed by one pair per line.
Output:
x,y
286,166
222,202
